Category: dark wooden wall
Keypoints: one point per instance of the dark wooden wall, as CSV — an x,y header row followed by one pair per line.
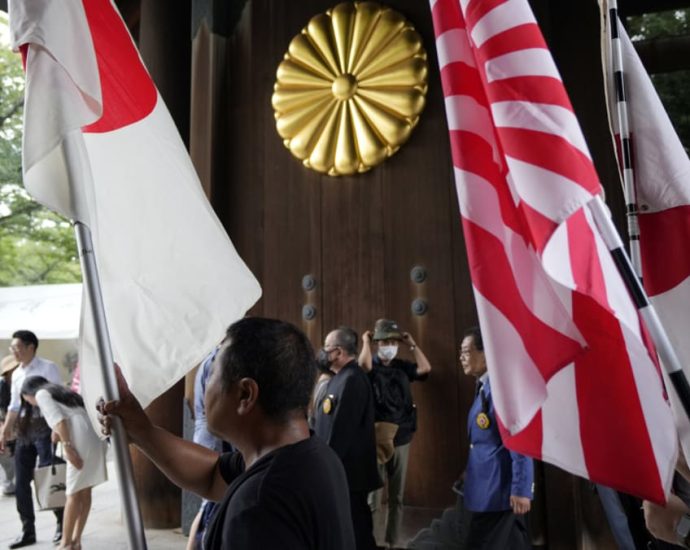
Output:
x,y
358,236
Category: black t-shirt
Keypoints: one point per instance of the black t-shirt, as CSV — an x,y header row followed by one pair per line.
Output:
x,y
393,396
295,497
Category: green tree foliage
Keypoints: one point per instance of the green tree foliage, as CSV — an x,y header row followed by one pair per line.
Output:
x,y
36,245
673,88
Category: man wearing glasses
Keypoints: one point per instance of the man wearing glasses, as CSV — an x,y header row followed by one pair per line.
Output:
x,y
34,440
344,418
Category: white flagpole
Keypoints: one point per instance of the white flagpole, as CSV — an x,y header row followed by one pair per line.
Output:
x,y
667,354
616,72
79,173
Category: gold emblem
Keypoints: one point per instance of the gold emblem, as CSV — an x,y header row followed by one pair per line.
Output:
x,y
483,421
327,404
351,88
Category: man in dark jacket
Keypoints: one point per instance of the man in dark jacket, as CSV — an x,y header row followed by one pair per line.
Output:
x,y
344,418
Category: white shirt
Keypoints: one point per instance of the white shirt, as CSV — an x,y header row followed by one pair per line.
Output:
x,y
36,367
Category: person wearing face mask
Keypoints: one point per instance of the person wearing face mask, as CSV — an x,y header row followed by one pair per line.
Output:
x,y
390,379
344,418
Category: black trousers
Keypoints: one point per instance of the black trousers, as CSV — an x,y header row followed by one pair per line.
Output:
x,y
495,531
25,455
362,523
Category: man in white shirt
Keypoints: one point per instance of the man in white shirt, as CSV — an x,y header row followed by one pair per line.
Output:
x,y
33,440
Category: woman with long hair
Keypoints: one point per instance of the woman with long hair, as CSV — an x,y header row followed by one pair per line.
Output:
x,y
64,412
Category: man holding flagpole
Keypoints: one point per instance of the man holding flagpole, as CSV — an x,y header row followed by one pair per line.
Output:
x,y
283,487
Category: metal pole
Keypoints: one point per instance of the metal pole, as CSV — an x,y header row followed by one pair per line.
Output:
x,y
615,75
667,354
78,172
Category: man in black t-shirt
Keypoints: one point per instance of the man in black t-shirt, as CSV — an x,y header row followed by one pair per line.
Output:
x,y
390,379
282,488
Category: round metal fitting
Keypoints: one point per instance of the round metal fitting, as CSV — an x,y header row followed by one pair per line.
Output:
x,y
419,307
418,274
308,282
308,312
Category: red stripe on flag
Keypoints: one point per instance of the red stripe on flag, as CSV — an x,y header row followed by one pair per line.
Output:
x,y
664,248
606,391
459,79
541,228
447,16
528,441
550,152
473,154
549,349
522,37
477,9
534,89
127,90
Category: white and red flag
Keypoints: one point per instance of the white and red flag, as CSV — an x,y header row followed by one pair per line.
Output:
x,y
171,279
575,380
661,176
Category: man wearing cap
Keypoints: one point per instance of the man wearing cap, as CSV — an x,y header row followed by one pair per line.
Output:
x,y
35,440
498,486
344,418
390,379
7,365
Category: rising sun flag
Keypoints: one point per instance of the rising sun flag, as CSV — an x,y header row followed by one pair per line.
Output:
x,y
575,379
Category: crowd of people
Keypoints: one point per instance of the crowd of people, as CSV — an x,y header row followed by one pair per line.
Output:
x,y
292,448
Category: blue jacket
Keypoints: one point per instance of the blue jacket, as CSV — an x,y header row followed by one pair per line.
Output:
x,y
493,472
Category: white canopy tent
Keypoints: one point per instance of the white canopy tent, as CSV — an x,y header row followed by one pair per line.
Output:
x,y
50,311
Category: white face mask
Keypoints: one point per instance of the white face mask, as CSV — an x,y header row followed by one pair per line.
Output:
x,y
388,353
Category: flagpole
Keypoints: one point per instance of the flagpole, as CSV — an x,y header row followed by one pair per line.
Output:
x,y
615,71
74,149
667,354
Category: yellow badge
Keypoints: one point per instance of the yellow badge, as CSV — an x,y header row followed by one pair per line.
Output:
x,y
327,404
483,421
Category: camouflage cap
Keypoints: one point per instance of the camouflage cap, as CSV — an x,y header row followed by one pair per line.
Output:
x,y
385,329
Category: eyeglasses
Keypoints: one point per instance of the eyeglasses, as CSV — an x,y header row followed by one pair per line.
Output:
x,y
332,349
16,347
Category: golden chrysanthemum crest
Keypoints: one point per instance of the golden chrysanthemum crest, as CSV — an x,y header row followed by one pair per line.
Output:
x,y
350,88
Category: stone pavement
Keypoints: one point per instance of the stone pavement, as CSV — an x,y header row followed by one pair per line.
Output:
x,y
104,528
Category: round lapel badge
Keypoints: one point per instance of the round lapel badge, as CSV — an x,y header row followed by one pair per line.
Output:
x,y
327,404
483,421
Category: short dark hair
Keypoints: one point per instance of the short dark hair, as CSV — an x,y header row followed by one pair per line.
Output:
x,y
277,356
346,338
476,335
27,337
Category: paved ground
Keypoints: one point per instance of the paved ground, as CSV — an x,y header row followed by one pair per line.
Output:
x,y
104,528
